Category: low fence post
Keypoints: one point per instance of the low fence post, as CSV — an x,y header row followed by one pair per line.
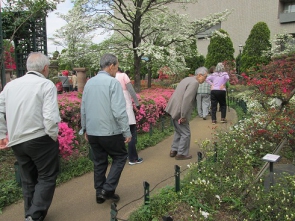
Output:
x,y
167,218
151,130
200,156
146,186
177,178
162,124
114,212
90,154
215,152
17,174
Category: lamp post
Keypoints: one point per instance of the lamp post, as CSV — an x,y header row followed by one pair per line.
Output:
x,y
239,64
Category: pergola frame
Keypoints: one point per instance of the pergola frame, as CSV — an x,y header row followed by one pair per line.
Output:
x,y
31,37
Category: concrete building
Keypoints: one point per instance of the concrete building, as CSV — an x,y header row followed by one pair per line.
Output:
x,y
279,15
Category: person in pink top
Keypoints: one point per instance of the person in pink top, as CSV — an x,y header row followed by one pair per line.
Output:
x,y
129,93
218,80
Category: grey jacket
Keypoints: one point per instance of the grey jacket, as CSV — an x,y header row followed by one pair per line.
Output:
x,y
103,108
183,100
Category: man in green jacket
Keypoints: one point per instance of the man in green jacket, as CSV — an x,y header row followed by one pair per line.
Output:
x,y
105,123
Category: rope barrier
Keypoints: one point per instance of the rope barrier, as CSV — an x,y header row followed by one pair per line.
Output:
x,y
114,210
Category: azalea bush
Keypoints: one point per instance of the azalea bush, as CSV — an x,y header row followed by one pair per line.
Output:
x,y
67,140
164,73
230,68
274,86
9,60
153,103
69,106
275,79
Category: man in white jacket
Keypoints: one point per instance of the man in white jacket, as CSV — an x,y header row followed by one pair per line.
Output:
x,y
29,117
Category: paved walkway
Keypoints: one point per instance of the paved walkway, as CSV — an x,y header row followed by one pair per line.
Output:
x,y
75,200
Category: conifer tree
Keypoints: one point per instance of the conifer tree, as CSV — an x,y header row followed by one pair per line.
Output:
x,y
220,49
257,48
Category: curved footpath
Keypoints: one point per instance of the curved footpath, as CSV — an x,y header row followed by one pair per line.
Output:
x,y
75,200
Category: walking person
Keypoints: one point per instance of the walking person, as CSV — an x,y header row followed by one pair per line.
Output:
x,y
180,107
105,124
218,80
65,81
29,116
74,80
203,100
211,71
129,94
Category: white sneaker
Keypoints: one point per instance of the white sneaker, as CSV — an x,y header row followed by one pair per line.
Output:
x,y
139,160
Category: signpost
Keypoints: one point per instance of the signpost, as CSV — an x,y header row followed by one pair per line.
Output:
x,y
271,158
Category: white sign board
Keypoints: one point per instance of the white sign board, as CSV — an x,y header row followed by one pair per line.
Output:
x,y
271,158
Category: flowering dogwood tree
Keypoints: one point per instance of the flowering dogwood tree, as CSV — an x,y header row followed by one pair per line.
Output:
x,y
283,44
147,28
76,37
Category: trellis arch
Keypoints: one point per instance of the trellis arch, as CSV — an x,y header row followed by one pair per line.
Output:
x,y
30,37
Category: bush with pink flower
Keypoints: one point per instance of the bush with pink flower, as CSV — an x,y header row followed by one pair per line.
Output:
x,y
69,107
67,140
164,73
153,103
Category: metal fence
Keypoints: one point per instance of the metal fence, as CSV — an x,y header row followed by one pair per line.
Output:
x,y
239,102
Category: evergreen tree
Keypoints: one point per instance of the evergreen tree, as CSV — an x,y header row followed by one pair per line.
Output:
x,y
220,49
193,60
257,48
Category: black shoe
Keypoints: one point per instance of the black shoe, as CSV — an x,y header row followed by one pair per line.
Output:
x,y
100,199
173,153
223,120
29,218
110,196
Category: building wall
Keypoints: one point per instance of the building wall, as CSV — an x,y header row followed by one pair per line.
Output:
x,y
245,14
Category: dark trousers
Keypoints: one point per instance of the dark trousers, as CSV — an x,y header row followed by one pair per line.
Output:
x,y
39,166
66,89
132,153
218,96
102,147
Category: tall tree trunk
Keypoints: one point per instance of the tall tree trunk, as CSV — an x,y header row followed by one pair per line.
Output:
x,y
149,66
136,42
137,65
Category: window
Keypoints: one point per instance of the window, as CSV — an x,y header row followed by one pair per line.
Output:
x,y
208,33
287,11
289,7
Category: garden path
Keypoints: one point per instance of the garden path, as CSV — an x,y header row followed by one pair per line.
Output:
x,y
75,200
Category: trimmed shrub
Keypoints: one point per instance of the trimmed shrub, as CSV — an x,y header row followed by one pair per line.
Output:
x,y
220,49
